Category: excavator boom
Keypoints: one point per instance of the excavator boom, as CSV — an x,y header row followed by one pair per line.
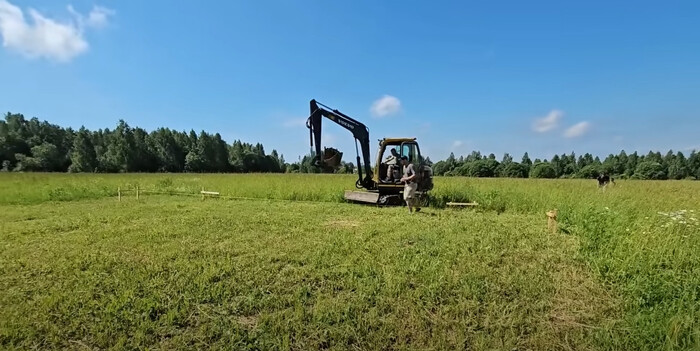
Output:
x,y
358,130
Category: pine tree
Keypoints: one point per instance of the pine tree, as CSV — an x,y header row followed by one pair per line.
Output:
x,y
677,167
119,156
144,157
622,163
507,158
694,164
221,156
557,165
168,148
83,157
631,166
526,162
235,155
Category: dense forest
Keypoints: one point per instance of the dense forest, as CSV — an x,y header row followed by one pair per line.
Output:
x,y
32,145
633,166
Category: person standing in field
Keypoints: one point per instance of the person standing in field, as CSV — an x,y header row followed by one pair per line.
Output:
x,y
410,187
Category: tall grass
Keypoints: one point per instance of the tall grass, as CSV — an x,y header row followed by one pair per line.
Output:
x,y
641,238
35,188
512,195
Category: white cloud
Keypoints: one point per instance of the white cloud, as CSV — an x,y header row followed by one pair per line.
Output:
x,y
385,106
295,123
548,122
44,37
457,144
577,129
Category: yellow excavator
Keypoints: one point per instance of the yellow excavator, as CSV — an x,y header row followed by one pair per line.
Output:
x,y
376,188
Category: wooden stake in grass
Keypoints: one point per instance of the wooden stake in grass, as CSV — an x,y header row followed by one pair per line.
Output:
x,y
119,193
552,220
210,193
137,192
462,204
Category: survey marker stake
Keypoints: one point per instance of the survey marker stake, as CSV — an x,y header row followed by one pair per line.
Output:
x,y
552,220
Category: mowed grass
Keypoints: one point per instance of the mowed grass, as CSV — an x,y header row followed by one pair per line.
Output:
x,y
78,269
177,274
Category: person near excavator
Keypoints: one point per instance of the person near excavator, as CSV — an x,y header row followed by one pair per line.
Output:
x,y
411,186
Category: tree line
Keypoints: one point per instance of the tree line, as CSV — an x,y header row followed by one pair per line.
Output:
x,y
31,145
653,165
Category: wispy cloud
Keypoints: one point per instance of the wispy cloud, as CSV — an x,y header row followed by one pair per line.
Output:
x,y
97,18
385,106
577,130
457,144
548,122
43,37
295,123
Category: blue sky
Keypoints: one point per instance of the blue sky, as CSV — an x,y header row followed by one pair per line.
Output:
x,y
499,76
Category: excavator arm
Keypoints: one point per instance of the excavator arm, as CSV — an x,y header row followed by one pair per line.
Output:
x,y
358,130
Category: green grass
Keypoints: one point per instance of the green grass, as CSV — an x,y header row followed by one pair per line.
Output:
x,y
79,269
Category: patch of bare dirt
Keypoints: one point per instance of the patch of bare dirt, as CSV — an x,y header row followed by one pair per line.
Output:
x,y
249,322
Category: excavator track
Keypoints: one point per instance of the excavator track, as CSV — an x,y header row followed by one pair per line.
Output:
x,y
375,198
362,196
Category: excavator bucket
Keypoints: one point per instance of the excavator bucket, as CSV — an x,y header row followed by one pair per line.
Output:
x,y
362,196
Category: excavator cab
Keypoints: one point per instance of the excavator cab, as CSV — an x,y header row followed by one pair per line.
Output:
x,y
391,191
412,151
376,190
424,171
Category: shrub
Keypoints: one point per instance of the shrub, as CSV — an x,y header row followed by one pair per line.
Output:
x,y
543,170
650,170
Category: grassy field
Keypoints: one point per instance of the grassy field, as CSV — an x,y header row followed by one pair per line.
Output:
x,y
288,265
